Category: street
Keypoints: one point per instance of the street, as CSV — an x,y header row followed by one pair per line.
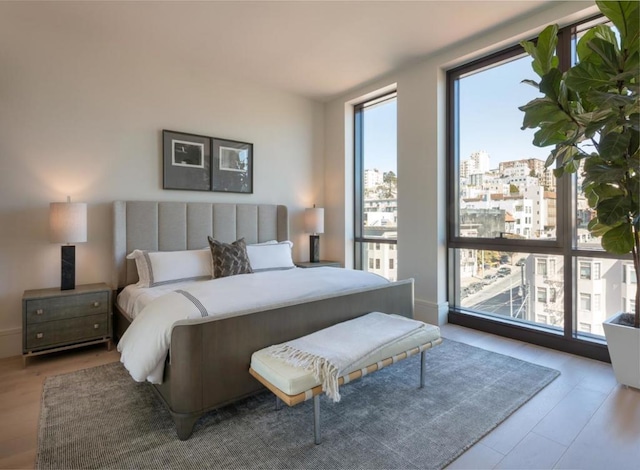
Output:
x,y
496,297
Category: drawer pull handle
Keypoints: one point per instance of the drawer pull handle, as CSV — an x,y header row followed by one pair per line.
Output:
x,y
96,326
96,304
39,311
39,335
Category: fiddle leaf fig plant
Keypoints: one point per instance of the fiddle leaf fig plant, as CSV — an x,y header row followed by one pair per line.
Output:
x,y
590,114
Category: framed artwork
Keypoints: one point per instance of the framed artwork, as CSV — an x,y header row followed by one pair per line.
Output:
x,y
186,161
231,166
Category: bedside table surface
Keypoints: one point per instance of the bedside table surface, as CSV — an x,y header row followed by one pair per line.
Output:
x,y
321,263
56,292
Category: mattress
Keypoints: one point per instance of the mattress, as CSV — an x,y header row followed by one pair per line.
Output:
x,y
133,299
263,289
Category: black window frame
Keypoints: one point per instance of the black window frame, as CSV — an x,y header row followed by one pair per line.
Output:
x,y
358,175
565,245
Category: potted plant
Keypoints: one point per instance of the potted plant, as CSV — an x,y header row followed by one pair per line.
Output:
x,y
590,114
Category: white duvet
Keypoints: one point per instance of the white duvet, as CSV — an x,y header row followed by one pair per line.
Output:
x,y
145,344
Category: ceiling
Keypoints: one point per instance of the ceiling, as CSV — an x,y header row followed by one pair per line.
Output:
x,y
315,49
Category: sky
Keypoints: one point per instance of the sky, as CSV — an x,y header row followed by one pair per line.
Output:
x,y
490,120
381,136
489,116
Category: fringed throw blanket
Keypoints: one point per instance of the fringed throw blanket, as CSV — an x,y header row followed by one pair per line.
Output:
x,y
329,353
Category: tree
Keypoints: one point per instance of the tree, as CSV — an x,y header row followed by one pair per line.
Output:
x,y
591,115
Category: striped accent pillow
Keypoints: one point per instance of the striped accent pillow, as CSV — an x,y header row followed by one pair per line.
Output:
x,y
229,259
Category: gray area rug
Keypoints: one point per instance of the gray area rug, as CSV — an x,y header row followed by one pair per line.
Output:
x,y
101,418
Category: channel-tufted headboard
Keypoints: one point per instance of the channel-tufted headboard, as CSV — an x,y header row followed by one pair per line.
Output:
x,y
171,226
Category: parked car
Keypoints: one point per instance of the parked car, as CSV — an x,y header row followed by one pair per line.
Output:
x,y
504,270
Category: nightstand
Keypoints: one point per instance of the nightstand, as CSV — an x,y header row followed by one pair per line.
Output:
x,y
55,320
319,264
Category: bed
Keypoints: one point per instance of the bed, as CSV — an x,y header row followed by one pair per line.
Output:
x,y
209,358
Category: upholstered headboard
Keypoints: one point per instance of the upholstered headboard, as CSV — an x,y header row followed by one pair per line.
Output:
x,y
170,226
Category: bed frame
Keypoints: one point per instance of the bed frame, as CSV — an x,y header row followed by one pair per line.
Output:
x,y
209,358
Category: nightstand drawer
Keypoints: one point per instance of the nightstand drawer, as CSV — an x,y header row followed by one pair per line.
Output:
x,y
58,308
67,331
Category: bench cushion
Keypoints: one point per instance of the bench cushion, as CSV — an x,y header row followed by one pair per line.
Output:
x,y
294,380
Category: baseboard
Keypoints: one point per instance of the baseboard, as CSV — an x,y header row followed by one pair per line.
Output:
x,y
10,342
431,312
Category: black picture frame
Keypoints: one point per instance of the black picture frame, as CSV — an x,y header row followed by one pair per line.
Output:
x,y
231,166
186,161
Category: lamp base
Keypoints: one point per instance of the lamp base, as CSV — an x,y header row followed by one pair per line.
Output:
x,y
68,267
314,248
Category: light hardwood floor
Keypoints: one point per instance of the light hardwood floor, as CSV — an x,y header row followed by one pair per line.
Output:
x,y
583,420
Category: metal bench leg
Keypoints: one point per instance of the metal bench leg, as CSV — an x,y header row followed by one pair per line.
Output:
x,y
316,419
278,403
422,368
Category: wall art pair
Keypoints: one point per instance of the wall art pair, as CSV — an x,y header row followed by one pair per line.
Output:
x,y
201,163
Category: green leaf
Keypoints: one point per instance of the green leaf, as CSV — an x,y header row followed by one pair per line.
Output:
x,y
548,135
625,17
614,145
601,31
533,83
543,52
596,228
618,240
609,100
585,76
550,84
613,210
542,110
607,54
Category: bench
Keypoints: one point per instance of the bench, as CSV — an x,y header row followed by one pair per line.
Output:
x,y
293,385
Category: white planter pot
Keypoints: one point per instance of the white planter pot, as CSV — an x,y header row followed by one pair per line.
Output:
x,y
624,348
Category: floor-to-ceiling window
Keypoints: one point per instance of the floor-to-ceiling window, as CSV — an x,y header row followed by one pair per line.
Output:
x,y
376,186
521,260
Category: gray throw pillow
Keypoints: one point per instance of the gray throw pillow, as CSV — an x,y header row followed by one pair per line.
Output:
x,y
229,259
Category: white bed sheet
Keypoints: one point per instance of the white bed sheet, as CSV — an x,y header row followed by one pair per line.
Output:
x,y
145,344
133,299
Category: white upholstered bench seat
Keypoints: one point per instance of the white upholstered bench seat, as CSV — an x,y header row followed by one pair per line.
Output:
x,y
293,385
293,380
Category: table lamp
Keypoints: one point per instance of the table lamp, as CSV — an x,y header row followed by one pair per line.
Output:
x,y
314,224
68,224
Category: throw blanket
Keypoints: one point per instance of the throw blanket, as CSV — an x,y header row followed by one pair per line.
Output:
x,y
329,353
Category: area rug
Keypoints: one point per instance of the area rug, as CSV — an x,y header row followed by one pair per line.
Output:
x,y
101,418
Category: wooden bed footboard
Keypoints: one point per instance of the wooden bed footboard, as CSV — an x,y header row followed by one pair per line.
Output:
x,y
209,365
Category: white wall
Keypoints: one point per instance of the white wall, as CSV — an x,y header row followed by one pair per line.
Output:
x,y
421,158
80,118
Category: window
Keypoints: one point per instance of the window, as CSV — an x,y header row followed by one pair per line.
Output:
x,y
376,181
542,295
585,302
585,270
391,263
370,263
584,327
506,208
541,267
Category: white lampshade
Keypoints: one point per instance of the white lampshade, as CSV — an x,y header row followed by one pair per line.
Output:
x,y
314,220
68,222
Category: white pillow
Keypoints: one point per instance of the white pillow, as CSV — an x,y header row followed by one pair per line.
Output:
x,y
270,256
163,267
